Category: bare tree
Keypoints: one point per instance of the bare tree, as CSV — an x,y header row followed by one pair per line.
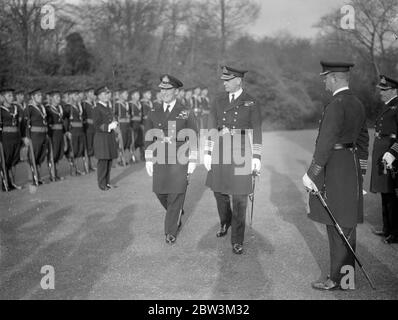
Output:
x,y
374,33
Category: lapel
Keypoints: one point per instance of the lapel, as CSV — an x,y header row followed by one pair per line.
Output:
x,y
229,106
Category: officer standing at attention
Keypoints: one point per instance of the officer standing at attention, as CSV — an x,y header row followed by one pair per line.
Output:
x,y
105,146
11,129
35,116
123,116
55,119
168,167
237,118
338,165
384,158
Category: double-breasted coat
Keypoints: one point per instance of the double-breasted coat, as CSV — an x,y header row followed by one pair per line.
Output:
x,y
124,115
232,152
338,173
164,141
55,119
11,131
386,134
36,129
105,146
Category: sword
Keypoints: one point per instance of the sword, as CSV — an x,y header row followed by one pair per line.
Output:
x,y
50,158
251,196
341,233
183,201
32,161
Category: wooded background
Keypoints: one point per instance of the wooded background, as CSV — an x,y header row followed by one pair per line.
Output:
x,y
131,42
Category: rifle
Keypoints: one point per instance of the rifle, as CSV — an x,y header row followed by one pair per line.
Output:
x,y
341,233
182,207
31,155
50,158
3,169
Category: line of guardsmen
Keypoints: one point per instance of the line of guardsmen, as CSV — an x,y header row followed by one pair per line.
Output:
x,y
44,126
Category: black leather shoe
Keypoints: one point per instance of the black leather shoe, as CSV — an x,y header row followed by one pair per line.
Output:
x,y
391,239
40,182
328,285
170,239
104,188
237,248
15,186
222,232
380,233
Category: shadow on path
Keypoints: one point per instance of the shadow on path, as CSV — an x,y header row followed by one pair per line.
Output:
x,y
288,199
239,276
79,259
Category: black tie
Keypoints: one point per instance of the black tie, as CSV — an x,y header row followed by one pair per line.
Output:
x,y
168,109
232,98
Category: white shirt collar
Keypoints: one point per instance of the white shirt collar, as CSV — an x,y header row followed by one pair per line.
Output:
x,y
236,94
171,104
103,103
391,100
341,89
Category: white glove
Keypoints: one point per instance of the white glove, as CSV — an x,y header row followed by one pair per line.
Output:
x,y
149,168
256,165
112,126
207,161
191,167
309,184
389,159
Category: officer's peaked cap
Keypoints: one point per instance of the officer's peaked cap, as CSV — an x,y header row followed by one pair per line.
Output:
x,y
328,67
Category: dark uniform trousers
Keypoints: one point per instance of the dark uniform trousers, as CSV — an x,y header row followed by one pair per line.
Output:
x,y
340,255
235,217
104,172
39,142
389,202
170,178
337,171
173,203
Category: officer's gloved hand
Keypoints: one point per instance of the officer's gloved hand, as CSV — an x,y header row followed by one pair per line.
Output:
x,y
256,165
25,141
68,135
191,167
207,161
112,126
149,168
389,159
309,184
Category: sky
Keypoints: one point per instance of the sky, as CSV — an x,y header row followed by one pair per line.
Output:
x,y
295,16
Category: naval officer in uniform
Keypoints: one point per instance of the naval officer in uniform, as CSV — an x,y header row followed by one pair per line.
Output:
x,y
338,165
236,119
165,139
384,157
105,146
